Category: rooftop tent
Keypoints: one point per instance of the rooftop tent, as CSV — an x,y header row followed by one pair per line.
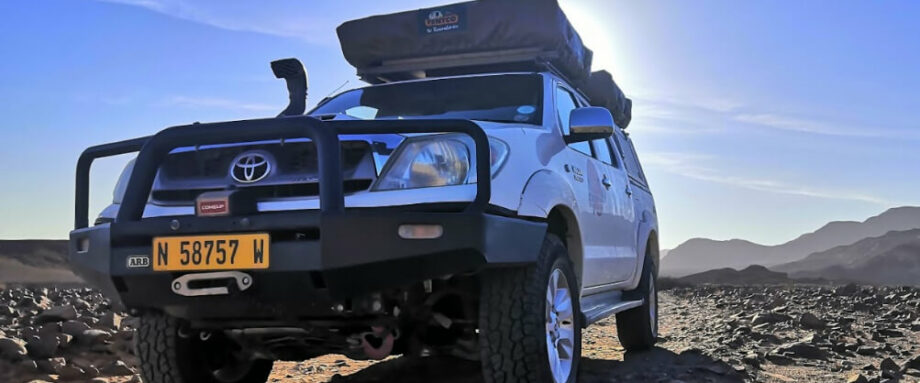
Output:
x,y
469,37
603,91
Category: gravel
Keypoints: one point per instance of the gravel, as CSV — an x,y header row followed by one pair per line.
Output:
x,y
710,333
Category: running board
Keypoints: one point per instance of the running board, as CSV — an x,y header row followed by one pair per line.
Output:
x,y
599,306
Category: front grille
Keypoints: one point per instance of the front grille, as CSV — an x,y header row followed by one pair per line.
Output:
x,y
261,193
291,158
295,171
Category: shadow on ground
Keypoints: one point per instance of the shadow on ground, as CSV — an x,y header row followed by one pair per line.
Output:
x,y
653,365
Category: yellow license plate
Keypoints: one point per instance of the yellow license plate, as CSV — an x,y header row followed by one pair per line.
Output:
x,y
211,252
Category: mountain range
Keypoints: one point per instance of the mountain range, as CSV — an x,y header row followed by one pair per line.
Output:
x,y
893,258
700,254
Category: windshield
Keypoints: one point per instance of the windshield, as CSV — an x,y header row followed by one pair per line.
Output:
x,y
500,98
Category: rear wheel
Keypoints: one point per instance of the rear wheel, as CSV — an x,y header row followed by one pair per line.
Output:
x,y
638,328
530,320
170,354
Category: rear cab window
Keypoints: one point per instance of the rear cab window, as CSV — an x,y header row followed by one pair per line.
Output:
x,y
628,152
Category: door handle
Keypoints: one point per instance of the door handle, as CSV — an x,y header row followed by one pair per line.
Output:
x,y
606,182
628,191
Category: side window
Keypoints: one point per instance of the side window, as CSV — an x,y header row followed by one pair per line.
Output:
x,y
565,104
602,152
629,157
634,160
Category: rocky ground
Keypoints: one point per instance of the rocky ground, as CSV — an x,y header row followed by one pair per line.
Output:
x,y
709,334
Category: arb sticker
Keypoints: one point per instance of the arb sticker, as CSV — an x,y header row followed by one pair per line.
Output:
x,y
443,19
138,261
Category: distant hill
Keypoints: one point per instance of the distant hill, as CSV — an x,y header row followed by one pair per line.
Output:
x,y
35,261
700,254
893,258
752,275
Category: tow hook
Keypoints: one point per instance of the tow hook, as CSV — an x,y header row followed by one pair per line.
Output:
x,y
378,343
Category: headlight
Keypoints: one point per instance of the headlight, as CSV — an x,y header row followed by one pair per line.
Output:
x,y
119,193
438,160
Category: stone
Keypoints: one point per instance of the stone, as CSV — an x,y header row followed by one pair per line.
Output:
x,y
857,378
812,322
913,363
42,346
74,327
94,336
70,372
769,317
12,349
847,290
779,359
111,320
801,350
50,365
117,368
889,364
57,314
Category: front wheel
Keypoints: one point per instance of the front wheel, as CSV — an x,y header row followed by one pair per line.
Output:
x,y
171,354
530,320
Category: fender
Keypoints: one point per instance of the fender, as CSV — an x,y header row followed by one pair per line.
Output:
x,y
544,190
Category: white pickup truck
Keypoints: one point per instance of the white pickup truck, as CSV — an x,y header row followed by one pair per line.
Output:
x,y
489,216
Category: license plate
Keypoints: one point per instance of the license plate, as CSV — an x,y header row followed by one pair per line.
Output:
x,y
211,252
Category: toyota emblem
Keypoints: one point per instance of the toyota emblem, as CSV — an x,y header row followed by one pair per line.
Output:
x,y
250,167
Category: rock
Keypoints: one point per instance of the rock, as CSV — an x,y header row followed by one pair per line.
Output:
x,y
847,290
42,346
94,336
889,364
12,349
801,350
769,317
857,378
111,320
57,314
70,372
913,363
812,322
866,350
74,327
779,359
117,368
50,365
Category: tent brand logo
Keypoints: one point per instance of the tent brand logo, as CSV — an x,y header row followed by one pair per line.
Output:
x,y
442,20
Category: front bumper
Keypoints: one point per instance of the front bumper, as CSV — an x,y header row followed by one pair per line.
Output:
x,y
318,257
350,255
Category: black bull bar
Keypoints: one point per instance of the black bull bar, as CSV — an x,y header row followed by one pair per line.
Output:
x,y
154,149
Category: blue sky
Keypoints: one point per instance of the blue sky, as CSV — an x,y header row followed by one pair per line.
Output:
x,y
756,119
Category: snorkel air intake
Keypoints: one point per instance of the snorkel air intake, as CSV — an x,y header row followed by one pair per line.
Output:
x,y
294,74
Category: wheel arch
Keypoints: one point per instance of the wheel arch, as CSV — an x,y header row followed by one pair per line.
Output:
x,y
563,223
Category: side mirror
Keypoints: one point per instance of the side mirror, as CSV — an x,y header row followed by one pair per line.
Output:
x,y
589,123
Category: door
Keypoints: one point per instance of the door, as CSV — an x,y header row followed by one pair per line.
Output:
x,y
595,214
621,214
627,199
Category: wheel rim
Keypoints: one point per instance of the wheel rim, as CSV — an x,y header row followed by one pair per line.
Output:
x,y
653,307
560,326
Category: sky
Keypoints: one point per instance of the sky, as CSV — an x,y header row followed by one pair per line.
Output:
x,y
754,119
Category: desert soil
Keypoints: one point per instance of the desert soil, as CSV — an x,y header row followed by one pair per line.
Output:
x,y
709,334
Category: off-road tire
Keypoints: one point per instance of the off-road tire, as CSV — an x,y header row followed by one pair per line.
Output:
x,y
167,357
634,327
512,318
